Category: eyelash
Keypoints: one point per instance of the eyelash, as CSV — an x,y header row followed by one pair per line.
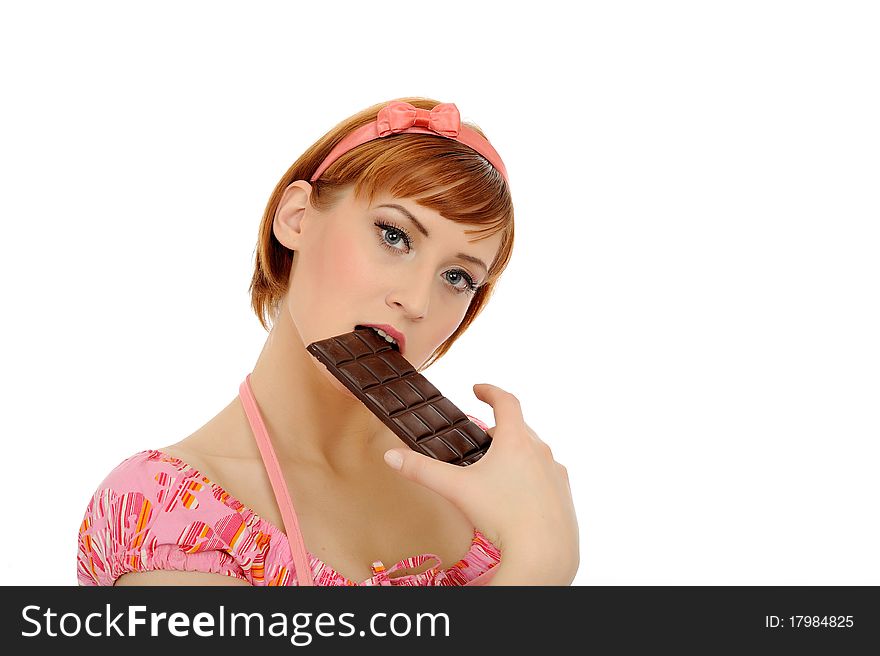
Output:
x,y
471,285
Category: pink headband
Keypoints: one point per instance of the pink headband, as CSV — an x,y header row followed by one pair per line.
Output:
x,y
397,117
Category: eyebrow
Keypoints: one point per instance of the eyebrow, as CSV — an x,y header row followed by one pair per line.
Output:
x,y
424,231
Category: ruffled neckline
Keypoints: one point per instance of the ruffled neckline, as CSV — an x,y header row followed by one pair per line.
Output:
x,y
380,576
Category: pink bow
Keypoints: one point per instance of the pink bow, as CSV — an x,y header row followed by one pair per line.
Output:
x,y
399,116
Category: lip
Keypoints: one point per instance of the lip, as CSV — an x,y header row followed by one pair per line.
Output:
x,y
391,330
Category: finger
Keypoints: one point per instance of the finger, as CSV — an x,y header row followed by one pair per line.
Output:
x,y
505,406
441,477
564,472
545,449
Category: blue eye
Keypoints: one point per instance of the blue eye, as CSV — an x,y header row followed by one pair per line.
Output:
x,y
390,229
471,286
400,232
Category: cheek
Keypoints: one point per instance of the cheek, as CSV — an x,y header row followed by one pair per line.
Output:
x,y
444,329
345,266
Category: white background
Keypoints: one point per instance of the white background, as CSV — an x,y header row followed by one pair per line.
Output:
x,y
696,193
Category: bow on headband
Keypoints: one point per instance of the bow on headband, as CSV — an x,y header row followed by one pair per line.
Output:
x,y
399,116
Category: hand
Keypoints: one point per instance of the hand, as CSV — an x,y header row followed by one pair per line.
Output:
x,y
517,495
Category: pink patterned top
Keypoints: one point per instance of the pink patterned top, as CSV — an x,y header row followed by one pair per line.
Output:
x,y
155,512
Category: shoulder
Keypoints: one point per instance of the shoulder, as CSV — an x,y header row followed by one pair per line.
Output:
x,y
141,471
154,512
148,478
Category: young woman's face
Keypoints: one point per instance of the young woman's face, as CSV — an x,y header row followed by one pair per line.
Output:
x,y
371,263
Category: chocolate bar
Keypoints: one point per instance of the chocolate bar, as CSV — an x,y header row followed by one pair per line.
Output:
x,y
377,374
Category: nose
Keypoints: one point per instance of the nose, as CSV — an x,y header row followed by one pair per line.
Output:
x,y
412,293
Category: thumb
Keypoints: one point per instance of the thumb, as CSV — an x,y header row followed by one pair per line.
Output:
x,y
433,474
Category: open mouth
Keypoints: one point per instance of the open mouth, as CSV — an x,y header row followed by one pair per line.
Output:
x,y
387,338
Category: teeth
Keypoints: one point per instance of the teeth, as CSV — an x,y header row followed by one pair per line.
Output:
x,y
388,338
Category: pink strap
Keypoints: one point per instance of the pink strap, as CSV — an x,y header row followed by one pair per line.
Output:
x,y
282,495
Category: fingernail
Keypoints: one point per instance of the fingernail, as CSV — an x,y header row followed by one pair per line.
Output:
x,y
394,459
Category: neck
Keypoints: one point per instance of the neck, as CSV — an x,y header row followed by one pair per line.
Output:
x,y
308,417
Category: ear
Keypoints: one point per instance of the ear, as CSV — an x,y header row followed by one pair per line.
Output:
x,y
287,225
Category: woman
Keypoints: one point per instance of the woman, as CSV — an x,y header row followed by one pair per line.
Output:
x,y
371,226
